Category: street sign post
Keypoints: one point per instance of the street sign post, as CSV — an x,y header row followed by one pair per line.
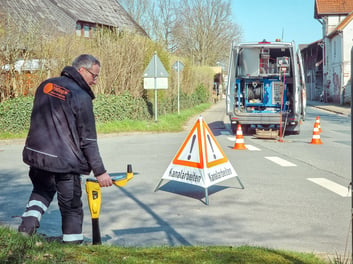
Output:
x,y
178,66
155,77
351,184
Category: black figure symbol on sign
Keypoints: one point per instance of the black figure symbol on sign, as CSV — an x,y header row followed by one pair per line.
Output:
x,y
209,140
192,145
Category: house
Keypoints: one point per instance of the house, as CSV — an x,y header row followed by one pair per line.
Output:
x,y
336,17
68,17
312,62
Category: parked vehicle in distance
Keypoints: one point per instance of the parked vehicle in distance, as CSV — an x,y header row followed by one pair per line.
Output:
x,y
266,87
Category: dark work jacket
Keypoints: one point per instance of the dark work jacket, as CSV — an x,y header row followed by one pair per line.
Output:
x,y
62,136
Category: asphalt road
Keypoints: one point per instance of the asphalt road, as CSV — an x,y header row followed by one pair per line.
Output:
x,y
279,207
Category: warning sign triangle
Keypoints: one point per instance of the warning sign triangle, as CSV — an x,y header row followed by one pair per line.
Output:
x,y
155,68
213,152
200,160
200,141
190,153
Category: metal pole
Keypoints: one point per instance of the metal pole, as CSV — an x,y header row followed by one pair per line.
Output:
x,y
155,88
351,184
178,66
282,70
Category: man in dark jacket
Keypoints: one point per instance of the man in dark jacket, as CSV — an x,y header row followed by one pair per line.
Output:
x,y
61,145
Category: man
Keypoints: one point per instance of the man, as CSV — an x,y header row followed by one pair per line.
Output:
x,y
61,145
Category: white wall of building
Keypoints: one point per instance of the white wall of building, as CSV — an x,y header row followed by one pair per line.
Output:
x,y
347,48
337,60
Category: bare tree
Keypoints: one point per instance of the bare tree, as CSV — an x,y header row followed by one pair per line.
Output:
x,y
156,17
201,30
204,30
163,20
140,11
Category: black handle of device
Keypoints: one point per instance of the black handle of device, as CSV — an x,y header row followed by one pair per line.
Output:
x,y
96,235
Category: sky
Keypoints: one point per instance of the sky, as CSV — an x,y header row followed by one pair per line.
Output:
x,y
271,19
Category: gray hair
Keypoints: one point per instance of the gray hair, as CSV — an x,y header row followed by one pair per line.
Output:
x,y
85,61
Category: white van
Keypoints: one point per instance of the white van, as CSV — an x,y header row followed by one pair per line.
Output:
x,y
265,87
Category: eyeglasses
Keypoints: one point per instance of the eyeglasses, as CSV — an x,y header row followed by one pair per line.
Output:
x,y
95,76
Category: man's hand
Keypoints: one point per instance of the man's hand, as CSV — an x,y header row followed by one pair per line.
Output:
x,y
104,180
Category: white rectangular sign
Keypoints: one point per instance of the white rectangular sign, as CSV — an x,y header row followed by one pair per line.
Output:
x,y
161,83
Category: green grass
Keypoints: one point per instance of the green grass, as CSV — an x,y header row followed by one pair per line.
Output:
x,y
15,248
165,123
7,135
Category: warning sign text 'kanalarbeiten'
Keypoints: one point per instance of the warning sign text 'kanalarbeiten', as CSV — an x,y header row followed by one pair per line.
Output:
x,y
184,175
218,174
192,176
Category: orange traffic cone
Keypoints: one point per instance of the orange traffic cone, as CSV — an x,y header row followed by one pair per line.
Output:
x,y
317,121
239,140
316,135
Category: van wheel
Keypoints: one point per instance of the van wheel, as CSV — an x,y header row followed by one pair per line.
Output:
x,y
293,130
245,129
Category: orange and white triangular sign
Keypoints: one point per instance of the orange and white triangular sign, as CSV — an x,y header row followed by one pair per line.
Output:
x,y
200,160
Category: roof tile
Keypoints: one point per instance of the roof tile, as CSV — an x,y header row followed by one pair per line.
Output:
x,y
63,14
332,7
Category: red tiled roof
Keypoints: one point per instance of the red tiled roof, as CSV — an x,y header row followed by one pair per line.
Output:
x,y
332,7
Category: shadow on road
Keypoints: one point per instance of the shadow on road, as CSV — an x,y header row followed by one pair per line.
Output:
x,y
216,127
162,226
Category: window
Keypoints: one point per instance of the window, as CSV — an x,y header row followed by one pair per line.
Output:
x,y
86,31
78,30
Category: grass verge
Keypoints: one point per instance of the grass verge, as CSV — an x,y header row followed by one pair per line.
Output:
x,y
165,123
15,248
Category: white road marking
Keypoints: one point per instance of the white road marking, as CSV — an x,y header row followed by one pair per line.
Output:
x,y
232,138
249,147
331,186
252,148
281,162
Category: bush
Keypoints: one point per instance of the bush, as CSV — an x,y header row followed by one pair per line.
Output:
x,y
122,107
15,114
124,59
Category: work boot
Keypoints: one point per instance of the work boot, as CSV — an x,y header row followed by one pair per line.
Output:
x,y
27,228
57,239
26,231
